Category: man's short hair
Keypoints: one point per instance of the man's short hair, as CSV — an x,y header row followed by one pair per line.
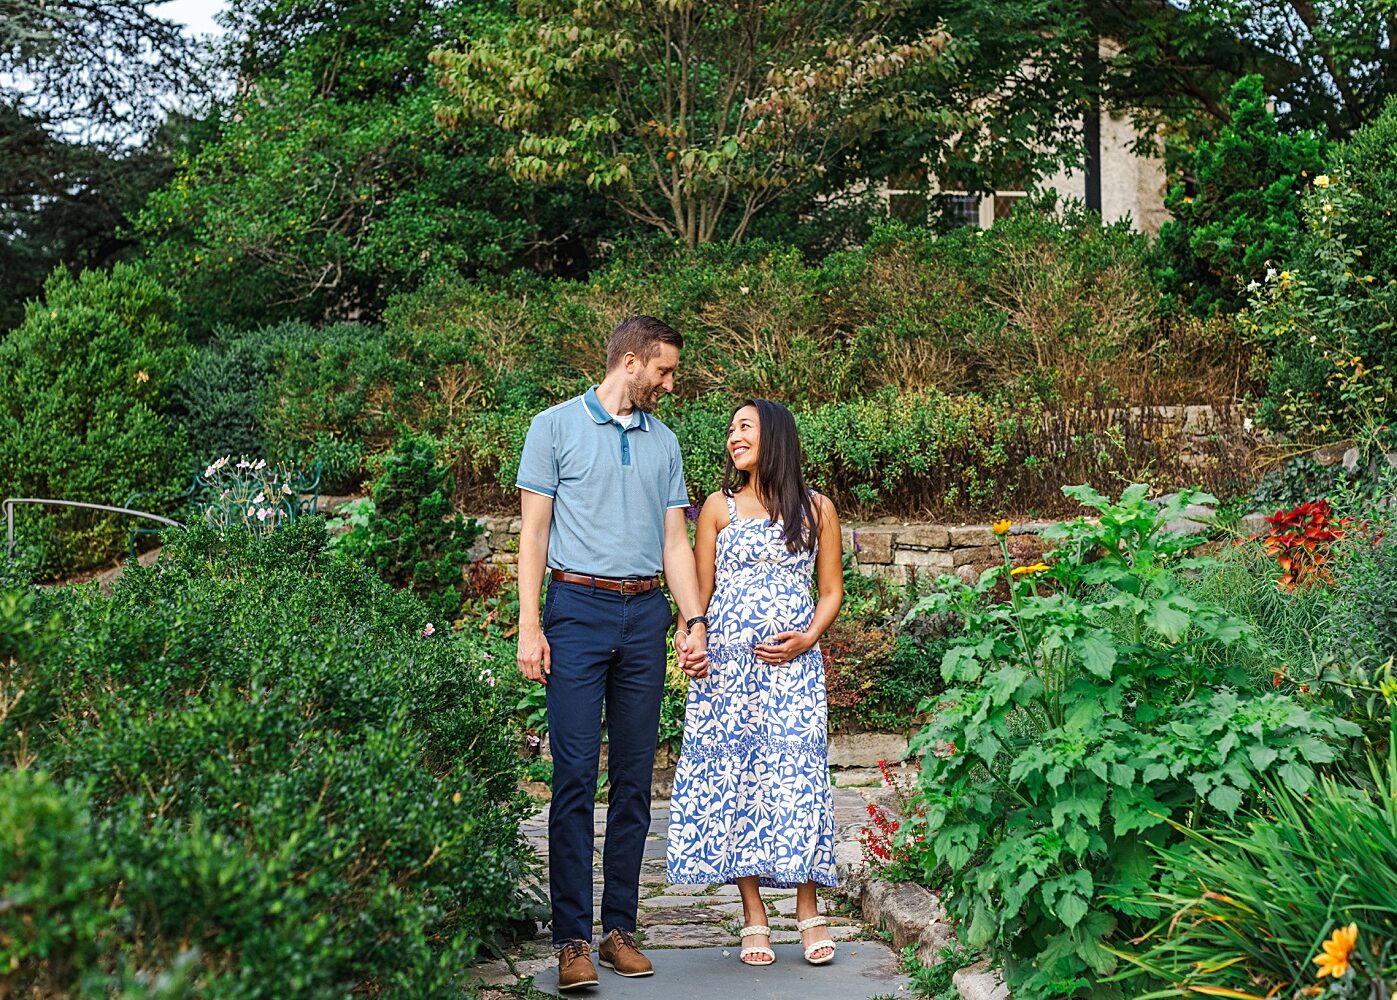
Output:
x,y
641,336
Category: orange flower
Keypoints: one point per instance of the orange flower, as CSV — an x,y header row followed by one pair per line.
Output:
x,y
1001,527
141,376
1334,959
1035,568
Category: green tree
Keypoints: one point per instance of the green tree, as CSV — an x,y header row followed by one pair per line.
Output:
x,y
330,186
1242,213
1330,64
694,117
84,132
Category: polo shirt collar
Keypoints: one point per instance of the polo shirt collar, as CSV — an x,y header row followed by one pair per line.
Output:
x,y
599,414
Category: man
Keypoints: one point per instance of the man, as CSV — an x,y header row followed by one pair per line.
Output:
x,y
603,498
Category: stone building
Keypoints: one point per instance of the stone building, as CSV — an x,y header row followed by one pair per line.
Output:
x,y
1114,180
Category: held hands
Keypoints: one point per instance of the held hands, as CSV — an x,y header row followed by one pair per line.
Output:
x,y
534,656
692,651
783,647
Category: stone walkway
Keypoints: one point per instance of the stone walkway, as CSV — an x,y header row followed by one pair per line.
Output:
x,y
690,933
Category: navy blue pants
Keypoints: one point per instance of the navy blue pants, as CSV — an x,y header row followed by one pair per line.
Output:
x,y
606,649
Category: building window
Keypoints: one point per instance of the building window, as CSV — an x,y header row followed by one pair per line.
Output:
x,y
961,209
1004,205
908,207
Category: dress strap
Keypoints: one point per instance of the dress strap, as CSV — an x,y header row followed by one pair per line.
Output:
x,y
732,507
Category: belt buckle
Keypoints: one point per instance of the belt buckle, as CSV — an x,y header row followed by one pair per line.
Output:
x,y
630,587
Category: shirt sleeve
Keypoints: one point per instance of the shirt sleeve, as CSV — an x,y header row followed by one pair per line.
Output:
x,y
678,491
538,463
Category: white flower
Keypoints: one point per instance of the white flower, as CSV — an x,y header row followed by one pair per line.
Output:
x,y
285,488
428,629
1253,285
1247,424
210,471
743,289
261,464
262,514
1313,338
1270,274
260,498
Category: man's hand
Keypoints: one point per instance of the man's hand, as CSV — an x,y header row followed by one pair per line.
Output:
x,y
534,656
692,648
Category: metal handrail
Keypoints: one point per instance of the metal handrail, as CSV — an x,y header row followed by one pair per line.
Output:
x,y
9,506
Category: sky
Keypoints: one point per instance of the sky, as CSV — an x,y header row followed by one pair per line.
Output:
x,y
196,15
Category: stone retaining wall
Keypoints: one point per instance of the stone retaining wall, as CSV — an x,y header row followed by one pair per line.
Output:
x,y
887,549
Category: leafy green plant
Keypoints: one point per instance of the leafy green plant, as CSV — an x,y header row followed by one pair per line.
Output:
x,y
1245,908
1081,721
412,537
1325,323
934,982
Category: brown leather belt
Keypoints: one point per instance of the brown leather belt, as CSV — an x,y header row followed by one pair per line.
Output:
x,y
622,587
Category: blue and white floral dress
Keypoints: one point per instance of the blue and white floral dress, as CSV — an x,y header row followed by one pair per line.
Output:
x,y
751,791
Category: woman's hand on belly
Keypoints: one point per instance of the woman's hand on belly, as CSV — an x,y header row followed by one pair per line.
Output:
x,y
783,647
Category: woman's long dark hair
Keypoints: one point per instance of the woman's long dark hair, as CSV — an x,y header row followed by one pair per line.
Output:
x,y
779,469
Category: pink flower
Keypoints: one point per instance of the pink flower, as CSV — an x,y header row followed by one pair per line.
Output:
x,y
428,629
532,739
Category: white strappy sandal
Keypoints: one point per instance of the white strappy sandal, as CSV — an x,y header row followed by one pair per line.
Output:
x,y
805,925
749,931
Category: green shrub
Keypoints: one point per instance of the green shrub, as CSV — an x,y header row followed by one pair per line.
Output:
x,y
412,536
1369,163
283,772
1243,212
1081,728
85,382
59,882
1008,353
220,397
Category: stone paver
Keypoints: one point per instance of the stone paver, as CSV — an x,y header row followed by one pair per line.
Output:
x,y
860,970
689,930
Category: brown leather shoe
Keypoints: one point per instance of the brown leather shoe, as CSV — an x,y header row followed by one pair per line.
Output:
x,y
620,953
575,968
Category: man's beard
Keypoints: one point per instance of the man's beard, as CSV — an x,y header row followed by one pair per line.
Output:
x,y
642,393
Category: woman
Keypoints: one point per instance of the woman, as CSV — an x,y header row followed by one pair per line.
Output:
x,y
752,801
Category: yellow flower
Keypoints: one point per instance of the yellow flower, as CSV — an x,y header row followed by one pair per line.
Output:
x,y
141,376
1334,960
1001,527
1035,568
1322,181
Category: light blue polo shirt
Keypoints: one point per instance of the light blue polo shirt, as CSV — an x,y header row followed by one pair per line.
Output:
x,y
610,486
